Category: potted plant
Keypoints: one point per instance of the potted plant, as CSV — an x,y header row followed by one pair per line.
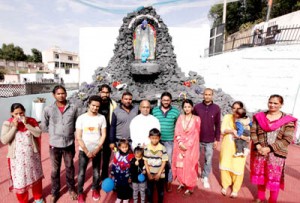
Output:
x,y
38,104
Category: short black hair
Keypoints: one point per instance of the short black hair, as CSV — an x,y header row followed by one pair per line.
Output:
x,y
94,98
126,94
15,106
105,86
123,141
168,94
138,149
58,87
154,132
241,112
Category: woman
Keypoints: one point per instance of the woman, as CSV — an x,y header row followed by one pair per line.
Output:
x,y
271,133
232,168
22,136
186,149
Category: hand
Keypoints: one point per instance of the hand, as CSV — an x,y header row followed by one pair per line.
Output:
x,y
150,176
95,152
23,119
157,176
182,147
15,121
215,144
245,138
89,154
265,151
129,180
112,146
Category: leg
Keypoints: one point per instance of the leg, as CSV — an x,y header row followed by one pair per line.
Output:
x,y
208,157
22,198
135,187
226,180
261,192
96,171
169,147
55,156
68,154
160,190
142,189
273,196
237,182
150,190
37,190
106,151
83,161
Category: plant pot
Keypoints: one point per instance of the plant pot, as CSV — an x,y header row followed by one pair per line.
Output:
x,y
37,111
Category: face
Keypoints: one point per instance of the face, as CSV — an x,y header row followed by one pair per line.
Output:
x,y
126,100
154,139
60,95
274,104
138,155
104,94
94,107
208,96
166,102
124,148
145,108
187,108
235,108
18,113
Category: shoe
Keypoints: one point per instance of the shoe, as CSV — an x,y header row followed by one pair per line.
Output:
x,y
233,195
224,191
95,195
238,154
180,188
246,151
53,199
169,187
81,198
206,183
187,193
73,195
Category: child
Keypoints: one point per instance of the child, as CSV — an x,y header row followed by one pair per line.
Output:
x,y
137,167
155,156
120,171
243,124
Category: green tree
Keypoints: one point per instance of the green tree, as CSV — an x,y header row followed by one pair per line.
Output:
x,y
35,57
12,53
282,7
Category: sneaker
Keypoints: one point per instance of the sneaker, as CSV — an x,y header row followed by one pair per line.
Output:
x,y
95,195
205,183
238,154
246,151
81,198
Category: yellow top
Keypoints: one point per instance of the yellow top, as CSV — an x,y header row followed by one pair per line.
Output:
x,y
228,162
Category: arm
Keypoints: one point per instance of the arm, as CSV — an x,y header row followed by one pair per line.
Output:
x,y
162,167
226,127
112,136
45,121
8,132
35,131
101,141
150,176
81,143
218,126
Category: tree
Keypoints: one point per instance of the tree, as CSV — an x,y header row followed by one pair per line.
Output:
x,y
11,53
35,57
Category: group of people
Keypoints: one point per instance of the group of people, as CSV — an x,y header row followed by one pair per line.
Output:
x,y
150,149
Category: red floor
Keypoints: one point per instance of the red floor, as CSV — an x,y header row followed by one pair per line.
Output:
x,y
246,194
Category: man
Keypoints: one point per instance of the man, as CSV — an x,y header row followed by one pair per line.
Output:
x,y
167,116
90,134
141,125
210,116
106,109
59,121
121,119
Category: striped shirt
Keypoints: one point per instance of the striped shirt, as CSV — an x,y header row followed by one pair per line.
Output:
x,y
167,121
155,155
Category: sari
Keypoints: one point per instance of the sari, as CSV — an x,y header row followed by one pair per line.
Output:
x,y
269,170
185,163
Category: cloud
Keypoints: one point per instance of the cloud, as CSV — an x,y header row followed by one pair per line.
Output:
x,y
4,7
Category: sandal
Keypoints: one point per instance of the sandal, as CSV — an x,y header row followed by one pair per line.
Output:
x,y
73,195
187,193
180,188
53,199
233,195
224,191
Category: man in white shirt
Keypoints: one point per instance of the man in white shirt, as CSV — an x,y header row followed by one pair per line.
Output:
x,y
142,124
90,134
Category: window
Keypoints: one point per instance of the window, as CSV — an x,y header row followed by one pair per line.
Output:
x,y
56,65
56,56
70,58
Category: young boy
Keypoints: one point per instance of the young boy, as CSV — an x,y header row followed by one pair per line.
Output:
x,y
243,124
155,156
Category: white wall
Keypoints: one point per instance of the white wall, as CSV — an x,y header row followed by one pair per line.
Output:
x,y
96,46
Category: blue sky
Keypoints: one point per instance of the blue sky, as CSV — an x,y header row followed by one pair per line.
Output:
x,y
42,24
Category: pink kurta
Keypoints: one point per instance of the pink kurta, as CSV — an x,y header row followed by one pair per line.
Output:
x,y
185,163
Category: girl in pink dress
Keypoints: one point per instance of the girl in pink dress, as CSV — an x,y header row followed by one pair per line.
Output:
x,y
186,149
22,135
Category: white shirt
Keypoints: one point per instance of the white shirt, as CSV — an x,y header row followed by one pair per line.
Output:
x,y
140,127
91,129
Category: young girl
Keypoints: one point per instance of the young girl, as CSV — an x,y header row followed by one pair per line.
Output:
x,y
22,134
120,171
137,167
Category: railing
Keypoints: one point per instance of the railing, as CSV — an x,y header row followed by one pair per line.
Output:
x,y
273,35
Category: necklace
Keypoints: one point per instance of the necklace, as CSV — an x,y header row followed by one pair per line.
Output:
x,y
186,125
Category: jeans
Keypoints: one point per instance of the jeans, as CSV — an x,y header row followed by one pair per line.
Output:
x,y
160,190
169,147
83,162
106,153
56,155
208,147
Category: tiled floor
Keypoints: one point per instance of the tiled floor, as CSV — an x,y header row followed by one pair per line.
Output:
x,y
213,195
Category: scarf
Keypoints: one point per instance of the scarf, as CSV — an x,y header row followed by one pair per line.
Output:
x,y
21,127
